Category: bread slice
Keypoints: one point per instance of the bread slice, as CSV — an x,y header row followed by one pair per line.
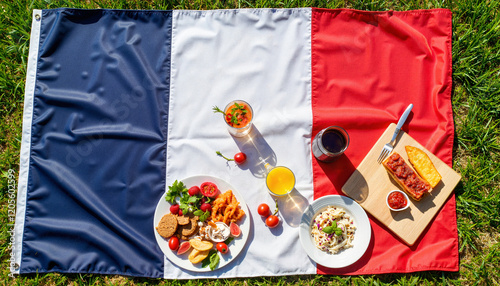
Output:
x,y
182,219
167,226
423,165
409,181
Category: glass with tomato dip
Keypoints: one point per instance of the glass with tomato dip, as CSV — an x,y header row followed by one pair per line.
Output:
x,y
238,116
397,200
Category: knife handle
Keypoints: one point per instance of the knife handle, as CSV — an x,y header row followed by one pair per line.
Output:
x,y
404,116
402,121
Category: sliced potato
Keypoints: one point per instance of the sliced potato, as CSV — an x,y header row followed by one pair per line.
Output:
x,y
197,256
201,245
423,165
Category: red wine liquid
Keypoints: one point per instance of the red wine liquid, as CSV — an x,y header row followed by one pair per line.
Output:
x,y
333,141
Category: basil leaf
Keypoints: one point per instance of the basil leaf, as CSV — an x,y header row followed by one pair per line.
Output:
x,y
228,240
206,261
328,229
192,200
203,217
214,261
184,208
338,232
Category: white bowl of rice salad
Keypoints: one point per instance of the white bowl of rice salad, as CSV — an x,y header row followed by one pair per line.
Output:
x,y
335,231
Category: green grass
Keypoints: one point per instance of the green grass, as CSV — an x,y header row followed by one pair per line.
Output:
x,y
476,105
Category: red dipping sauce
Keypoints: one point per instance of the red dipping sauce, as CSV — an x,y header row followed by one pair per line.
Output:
x,y
397,200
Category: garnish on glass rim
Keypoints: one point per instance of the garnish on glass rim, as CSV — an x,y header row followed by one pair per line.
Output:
x,y
235,114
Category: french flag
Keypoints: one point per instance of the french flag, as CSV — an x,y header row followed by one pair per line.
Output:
x,y
118,106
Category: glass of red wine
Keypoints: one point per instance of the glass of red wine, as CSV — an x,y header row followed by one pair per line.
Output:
x,y
330,143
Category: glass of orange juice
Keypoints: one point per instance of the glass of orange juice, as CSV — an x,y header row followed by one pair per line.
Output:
x,y
238,115
280,181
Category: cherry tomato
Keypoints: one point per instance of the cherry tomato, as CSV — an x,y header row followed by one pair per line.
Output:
x,y
209,189
272,221
240,158
222,248
263,210
193,191
180,212
174,209
173,243
205,207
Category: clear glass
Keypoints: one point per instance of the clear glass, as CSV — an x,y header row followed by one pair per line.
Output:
x,y
280,180
244,129
331,136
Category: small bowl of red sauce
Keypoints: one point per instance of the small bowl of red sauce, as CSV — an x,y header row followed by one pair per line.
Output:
x,y
397,201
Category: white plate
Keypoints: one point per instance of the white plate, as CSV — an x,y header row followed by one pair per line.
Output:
x,y
235,247
362,235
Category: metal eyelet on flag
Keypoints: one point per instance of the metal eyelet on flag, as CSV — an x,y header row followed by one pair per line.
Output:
x,y
37,17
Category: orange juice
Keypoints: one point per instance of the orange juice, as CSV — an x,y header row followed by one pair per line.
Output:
x,y
280,181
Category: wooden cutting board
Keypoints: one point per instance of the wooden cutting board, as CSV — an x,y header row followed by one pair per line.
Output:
x,y
370,183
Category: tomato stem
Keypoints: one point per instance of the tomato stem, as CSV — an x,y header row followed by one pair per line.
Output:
x,y
277,208
220,154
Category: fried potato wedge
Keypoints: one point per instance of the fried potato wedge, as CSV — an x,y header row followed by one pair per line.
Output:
x,y
423,165
197,256
201,245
